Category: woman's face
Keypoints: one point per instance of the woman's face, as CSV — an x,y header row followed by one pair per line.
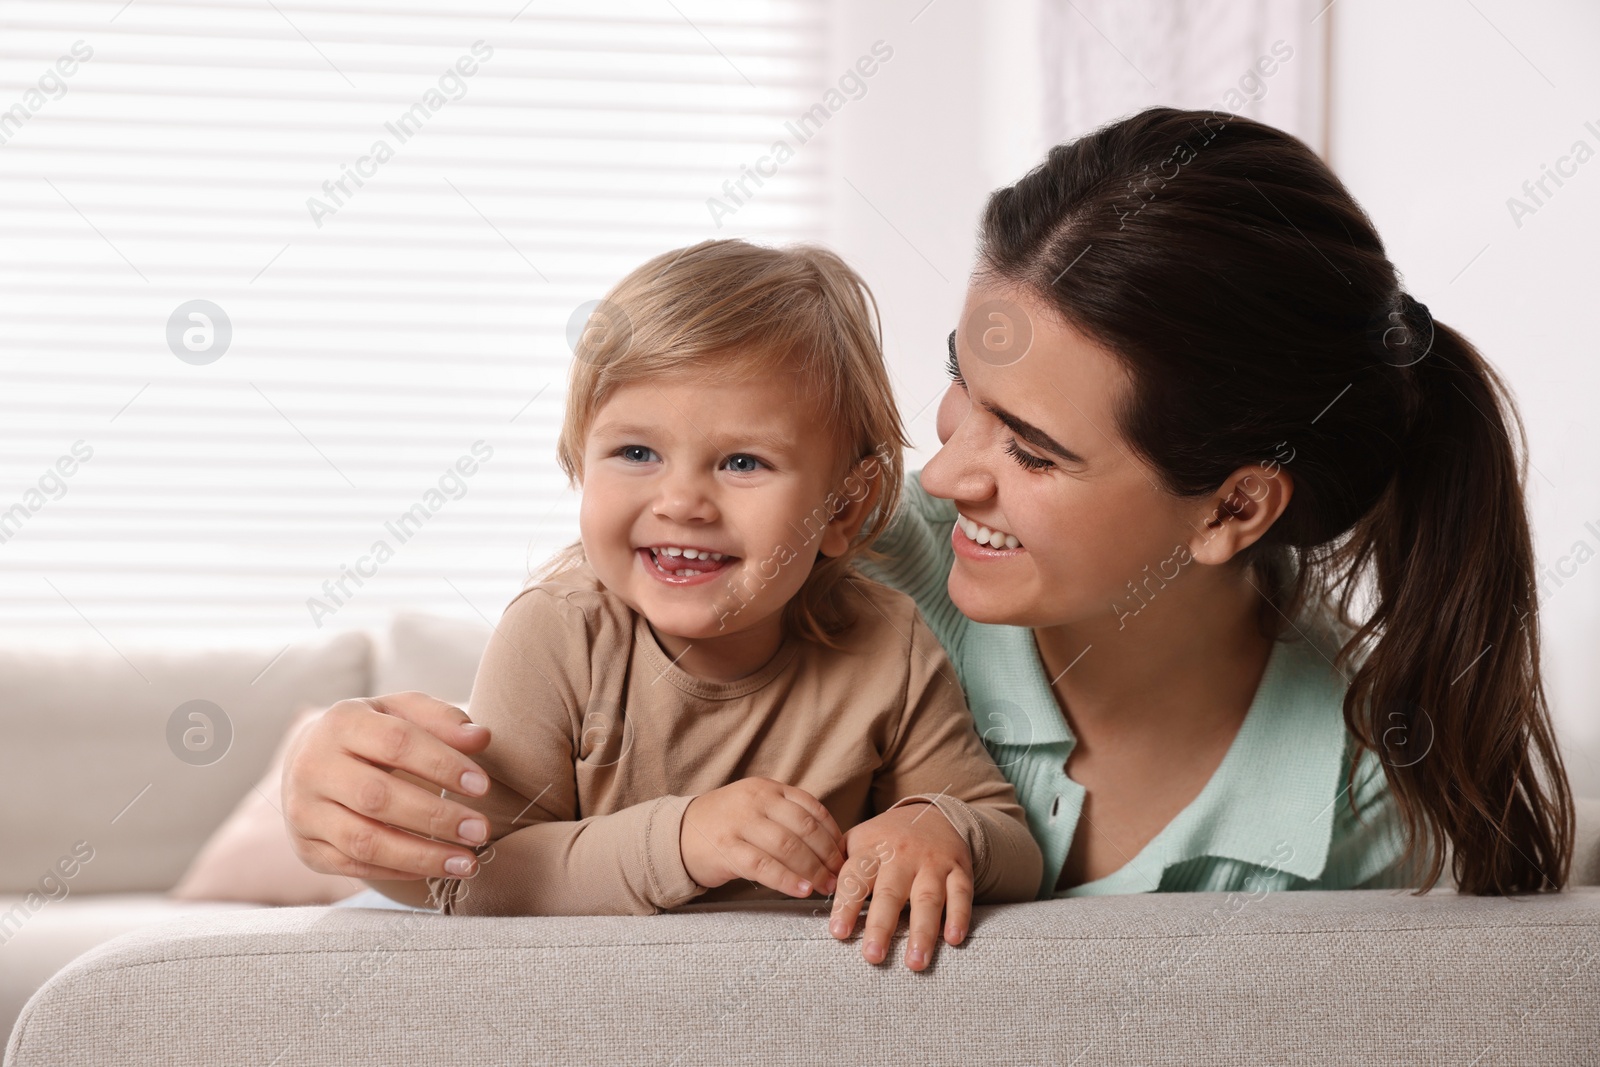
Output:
x,y
1032,450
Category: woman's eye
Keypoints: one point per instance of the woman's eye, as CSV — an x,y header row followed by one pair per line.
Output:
x,y
1028,460
636,453
742,463
951,366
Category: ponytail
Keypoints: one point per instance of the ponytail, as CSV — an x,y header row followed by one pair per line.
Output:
x,y
1450,696
1256,310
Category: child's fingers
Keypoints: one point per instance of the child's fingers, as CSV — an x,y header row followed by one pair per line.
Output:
x,y
889,893
798,869
801,822
818,811
958,906
752,857
927,904
855,885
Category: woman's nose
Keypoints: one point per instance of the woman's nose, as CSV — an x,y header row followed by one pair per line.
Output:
x,y
957,471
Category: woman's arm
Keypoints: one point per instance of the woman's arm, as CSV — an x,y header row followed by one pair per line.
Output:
x,y
914,555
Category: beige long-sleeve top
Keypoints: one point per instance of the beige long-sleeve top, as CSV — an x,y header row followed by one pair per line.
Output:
x,y
599,742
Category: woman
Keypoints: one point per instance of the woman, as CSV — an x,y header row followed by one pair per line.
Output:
x,y
1194,419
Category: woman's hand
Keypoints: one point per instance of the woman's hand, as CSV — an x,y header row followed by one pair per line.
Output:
x,y
756,828
910,852
348,814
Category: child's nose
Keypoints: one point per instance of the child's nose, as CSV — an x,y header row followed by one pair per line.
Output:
x,y
685,499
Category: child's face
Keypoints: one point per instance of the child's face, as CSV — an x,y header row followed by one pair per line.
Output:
x,y
736,470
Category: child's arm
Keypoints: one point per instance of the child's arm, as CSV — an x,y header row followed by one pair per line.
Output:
x,y
937,778
542,858
532,688
940,758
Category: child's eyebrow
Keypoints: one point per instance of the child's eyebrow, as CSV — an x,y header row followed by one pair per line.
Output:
x,y
725,442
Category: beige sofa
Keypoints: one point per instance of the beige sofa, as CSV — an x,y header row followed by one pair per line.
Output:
x,y
93,757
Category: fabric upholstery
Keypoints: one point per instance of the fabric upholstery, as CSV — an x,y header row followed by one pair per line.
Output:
x,y
86,757
1374,976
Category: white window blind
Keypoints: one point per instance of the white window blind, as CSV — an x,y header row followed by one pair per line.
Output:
x,y
396,340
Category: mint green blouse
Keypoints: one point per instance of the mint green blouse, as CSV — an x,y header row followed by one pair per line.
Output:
x,y
1276,812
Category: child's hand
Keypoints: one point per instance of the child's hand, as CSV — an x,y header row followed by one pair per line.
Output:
x,y
768,832
910,852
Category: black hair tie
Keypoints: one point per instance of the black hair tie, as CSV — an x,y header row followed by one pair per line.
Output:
x,y
1408,335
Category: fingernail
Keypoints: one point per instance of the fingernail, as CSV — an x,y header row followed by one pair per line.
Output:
x,y
916,957
470,727
473,782
458,865
836,928
830,885
805,888
873,951
474,829
956,933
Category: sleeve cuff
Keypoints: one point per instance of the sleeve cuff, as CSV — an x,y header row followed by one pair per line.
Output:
x,y
667,877
964,817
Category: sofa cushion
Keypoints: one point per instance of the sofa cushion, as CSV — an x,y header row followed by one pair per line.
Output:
x,y
250,859
36,942
118,769
1372,976
433,654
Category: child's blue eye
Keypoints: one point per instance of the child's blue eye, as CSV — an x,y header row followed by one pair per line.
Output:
x,y
636,453
743,463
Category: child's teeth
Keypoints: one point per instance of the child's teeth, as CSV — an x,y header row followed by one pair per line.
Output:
x,y
673,551
1011,541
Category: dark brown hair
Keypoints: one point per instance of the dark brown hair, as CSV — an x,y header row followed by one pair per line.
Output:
x,y
1257,313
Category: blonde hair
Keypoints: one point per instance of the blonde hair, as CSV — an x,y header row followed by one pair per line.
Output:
x,y
741,310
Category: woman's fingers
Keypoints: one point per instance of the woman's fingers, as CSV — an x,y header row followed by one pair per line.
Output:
x,y
358,847
415,733
337,792
394,799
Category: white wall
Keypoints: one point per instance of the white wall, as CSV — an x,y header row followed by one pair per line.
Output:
x,y
1441,110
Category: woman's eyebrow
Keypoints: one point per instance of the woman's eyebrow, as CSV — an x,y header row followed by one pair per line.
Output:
x,y
1025,430
1032,434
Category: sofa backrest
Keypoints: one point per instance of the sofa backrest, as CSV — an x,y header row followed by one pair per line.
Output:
x,y
118,763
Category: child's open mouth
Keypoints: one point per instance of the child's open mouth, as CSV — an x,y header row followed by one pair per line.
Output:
x,y
683,564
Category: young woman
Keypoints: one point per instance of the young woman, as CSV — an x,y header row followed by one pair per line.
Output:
x,y
1195,424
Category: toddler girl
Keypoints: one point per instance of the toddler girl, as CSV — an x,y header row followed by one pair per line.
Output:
x,y
702,700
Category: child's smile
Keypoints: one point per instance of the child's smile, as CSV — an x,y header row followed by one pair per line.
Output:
x,y
704,510
685,565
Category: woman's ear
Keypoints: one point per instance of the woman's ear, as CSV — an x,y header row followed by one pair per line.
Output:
x,y
1240,512
855,503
